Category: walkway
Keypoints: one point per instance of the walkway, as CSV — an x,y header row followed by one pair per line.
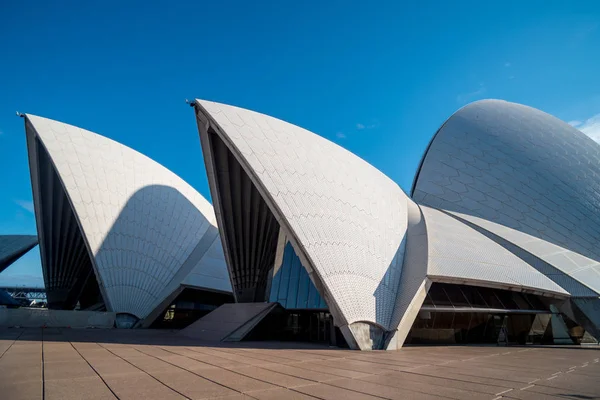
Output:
x,y
147,364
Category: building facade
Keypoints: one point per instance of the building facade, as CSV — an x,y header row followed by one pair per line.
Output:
x,y
310,225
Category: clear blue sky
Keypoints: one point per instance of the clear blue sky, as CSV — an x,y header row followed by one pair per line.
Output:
x,y
377,78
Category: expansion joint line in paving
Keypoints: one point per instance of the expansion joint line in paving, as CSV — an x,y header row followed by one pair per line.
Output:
x,y
227,369
150,375
94,369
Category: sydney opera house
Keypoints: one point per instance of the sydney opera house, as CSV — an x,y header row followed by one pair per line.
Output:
x,y
118,231
498,239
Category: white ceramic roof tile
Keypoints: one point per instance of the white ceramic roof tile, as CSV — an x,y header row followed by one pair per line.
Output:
x,y
460,252
528,172
563,260
141,221
348,216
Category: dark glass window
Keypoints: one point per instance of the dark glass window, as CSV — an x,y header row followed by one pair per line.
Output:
x,y
507,299
439,296
428,301
456,296
462,320
474,297
490,297
521,301
443,320
425,320
478,328
536,302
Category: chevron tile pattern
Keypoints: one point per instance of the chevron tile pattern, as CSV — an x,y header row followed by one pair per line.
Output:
x,y
141,222
349,217
524,175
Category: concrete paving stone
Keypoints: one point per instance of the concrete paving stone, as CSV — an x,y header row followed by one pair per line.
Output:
x,y
388,361
238,358
153,350
273,377
22,359
239,396
235,381
359,366
186,362
31,390
91,388
17,373
56,356
447,383
140,386
151,364
316,376
279,393
192,386
483,372
342,373
328,353
426,387
114,366
67,370
211,360
122,351
374,389
518,367
585,372
559,392
528,395
569,383
452,374
269,355
326,392
298,355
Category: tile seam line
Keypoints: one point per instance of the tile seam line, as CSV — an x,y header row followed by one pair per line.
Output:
x,y
94,369
238,373
299,365
383,363
288,360
469,375
244,352
352,370
431,384
291,389
152,376
394,387
13,342
466,377
295,364
187,370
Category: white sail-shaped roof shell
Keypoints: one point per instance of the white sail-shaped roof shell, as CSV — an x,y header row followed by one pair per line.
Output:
x,y
459,254
523,175
146,230
346,218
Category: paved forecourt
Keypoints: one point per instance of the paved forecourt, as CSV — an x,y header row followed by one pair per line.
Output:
x,y
148,364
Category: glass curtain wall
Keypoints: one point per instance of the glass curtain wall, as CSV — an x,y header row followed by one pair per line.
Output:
x,y
467,314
